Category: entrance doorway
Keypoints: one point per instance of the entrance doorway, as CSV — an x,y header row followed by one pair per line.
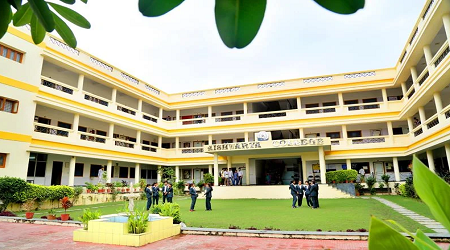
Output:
x,y
277,171
56,173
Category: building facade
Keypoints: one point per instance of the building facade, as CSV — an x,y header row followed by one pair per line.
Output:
x,y
65,113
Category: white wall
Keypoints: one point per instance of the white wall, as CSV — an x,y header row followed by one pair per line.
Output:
x,y
127,100
96,88
54,114
60,74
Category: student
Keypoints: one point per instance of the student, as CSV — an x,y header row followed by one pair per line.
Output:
x,y
100,174
208,194
230,177
155,191
166,185
235,178
222,175
307,189
194,196
300,190
148,193
169,193
225,177
313,194
293,189
240,174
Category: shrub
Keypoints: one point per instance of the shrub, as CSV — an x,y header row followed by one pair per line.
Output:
x,y
370,182
89,215
171,210
409,188
8,213
200,184
91,186
9,186
341,175
138,221
402,190
330,176
381,185
65,203
142,184
359,187
77,191
156,209
385,178
208,178
179,186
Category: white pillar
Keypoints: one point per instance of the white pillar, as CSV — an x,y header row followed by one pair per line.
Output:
x,y
246,136
341,100
247,172
348,162
177,115
414,78
111,133
438,104
177,142
177,173
139,109
446,20
323,167
410,124
209,111
384,95
73,160
159,174
430,160
447,153
210,169
137,173
396,169
390,132
160,115
305,173
301,133
159,142
344,135
138,137
299,103
109,171
210,139
80,85
404,90
114,95
428,58
423,118
76,124
216,170
245,107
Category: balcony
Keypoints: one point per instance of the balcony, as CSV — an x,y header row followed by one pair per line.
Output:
x,y
51,130
56,85
96,99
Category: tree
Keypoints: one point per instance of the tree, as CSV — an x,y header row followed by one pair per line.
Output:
x,y
237,21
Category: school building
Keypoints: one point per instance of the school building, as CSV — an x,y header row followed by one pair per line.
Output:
x,y
65,113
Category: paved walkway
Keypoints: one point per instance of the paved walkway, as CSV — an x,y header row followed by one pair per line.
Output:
x,y
430,223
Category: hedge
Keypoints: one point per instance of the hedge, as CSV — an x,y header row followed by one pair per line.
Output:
x,y
341,175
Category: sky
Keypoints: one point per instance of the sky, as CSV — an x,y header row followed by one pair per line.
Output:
x,y
182,51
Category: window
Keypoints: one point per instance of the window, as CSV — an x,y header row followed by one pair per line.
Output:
x,y
123,172
11,53
333,135
2,160
94,170
152,174
36,165
349,102
64,125
8,105
312,135
79,169
404,166
144,174
227,141
240,140
132,172
352,134
82,129
327,104
397,131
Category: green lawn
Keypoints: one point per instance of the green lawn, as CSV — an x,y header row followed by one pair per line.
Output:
x,y
334,214
414,205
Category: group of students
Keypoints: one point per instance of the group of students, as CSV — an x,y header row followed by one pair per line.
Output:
x,y
194,195
230,178
152,193
311,191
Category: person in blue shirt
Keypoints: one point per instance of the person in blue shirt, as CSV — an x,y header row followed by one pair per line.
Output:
x,y
169,193
208,194
194,196
235,178
155,191
148,193
294,193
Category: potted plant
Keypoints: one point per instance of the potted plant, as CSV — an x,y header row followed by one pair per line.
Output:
x,y
118,186
370,182
380,185
90,188
101,187
200,184
51,215
28,206
386,178
352,175
137,187
358,188
65,203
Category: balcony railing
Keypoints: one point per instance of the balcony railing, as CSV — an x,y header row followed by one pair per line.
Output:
x,y
52,130
227,118
191,150
417,130
271,114
441,54
363,106
432,121
199,120
446,112
92,137
335,142
318,110
96,99
410,91
51,83
124,143
369,140
423,76
147,147
149,117
126,109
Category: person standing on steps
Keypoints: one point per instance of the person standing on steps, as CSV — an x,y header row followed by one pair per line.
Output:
x,y
169,193
300,190
148,193
293,189
155,191
166,185
208,194
194,196
307,189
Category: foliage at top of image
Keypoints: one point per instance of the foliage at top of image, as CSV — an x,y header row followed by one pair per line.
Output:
x,y
435,193
237,21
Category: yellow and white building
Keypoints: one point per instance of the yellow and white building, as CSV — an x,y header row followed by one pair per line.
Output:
x,y
65,113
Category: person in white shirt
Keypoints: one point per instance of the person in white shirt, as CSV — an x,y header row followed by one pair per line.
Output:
x,y
240,174
100,174
225,177
230,177
361,174
222,175
165,187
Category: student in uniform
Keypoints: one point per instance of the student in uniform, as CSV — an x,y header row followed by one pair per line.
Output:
x,y
313,194
165,191
293,189
169,193
241,174
307,189
225,177
230,177
208,194
194,196
300,190
222,174
235,178
155,191
148,193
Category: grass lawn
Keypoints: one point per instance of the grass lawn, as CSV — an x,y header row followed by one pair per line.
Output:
x,y
414,205
334,214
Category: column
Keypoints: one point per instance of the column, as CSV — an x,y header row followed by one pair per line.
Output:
x,y
139,109
209,112
177,115
430,160
245,108
341,100
109,171
410,125
177,142
428,58
160,115
404,90
111,133
323,167
396,169
423,118
177,173
384,95
73,160
447,153
246,136
301,133
210,139
114,95
247,172
390,132
80,85
305,173
137,173
348,162
228,162
344,135
159,142
438,103
216,169
299,103
138,139
210,169
159,174
446,20
414,78
76,123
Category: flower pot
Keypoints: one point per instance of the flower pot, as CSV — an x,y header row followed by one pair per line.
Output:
x,y
101,191
29,215
65,217
51,217
346,181
88,191
334,182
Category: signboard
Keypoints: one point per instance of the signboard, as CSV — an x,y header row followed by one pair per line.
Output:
x,y
263,136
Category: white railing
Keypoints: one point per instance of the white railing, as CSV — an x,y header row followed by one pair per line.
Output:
x,y
194,150
410,91
52,130
150,117
363,106
335,142
124,143
440,54
227,118
417,130
317,110
96,99
446,112
190,121
148,147
126,109
423,76
92,137
368,139
51,83
273,114
432,121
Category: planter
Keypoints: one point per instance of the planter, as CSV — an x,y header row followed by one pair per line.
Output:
x,y
101,191
346,181
127,190
51,217
29,215
88,191
334,182
357,193
65,217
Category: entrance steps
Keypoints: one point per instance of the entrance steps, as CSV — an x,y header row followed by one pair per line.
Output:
x,y
270,192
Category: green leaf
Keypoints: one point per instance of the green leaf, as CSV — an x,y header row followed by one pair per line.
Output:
x,y
5,17
68,1
43,14
238,21
65,32
23,16
84,1
430,244
154,8
382,236
342,6
37,30
71,16
432,190
17,4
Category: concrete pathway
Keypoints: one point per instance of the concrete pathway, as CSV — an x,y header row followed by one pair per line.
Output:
x,y
427,222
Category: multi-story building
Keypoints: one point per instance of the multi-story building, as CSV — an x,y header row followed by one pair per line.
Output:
x,y
65,113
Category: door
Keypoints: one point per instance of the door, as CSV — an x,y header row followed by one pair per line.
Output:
x,y
379,170
56,173
197,175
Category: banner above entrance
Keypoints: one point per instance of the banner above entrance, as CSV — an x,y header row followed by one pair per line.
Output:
x,y
287,146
